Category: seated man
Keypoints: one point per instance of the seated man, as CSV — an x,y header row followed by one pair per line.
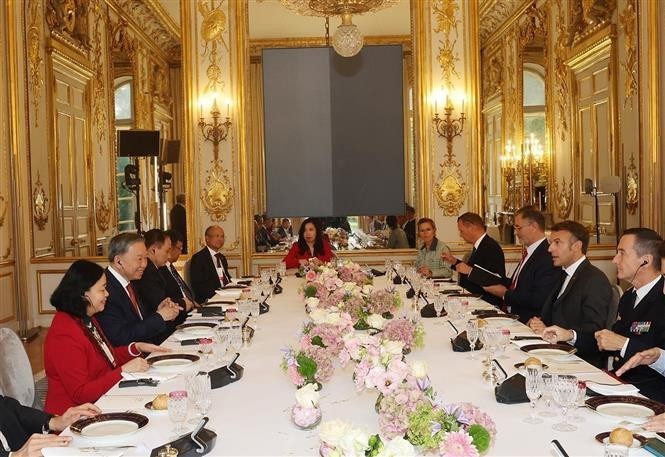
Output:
x,y
581,301
176,287
641,321
24,431
124,319
209,270
486,254
535,276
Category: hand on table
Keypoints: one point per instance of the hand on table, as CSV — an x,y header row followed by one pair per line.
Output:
x,y
463,268
135,365
554,334
148,348
609,341
168,309
537,325
497,289
646,357
59,423
655,423
33,447
426,272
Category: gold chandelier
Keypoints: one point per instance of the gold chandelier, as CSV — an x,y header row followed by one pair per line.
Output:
x,y
347,39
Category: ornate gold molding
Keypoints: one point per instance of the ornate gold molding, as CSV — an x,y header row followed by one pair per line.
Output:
x,y
563,200
632,186
121,39
587,17
99,98
152,24
497,14
103,211
534,25
68,23
446,23
217,195
450,189
561,71
4,205
628,21
8,251
212,31
40,204
492,74
257,45
35,60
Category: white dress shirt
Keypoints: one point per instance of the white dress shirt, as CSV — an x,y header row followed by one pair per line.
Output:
x,y
570,271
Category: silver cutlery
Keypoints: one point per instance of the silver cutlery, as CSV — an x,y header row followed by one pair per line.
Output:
x,y
103,448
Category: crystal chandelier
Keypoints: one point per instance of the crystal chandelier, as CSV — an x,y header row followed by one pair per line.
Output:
x,y
347,39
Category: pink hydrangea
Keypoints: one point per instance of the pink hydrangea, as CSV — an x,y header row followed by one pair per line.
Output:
x,y
295,377
475,416
310,275
395,408
400,330
381,301
457,444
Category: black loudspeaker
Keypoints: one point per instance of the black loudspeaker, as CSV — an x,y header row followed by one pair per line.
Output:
x,y
588,186
138,143
169,152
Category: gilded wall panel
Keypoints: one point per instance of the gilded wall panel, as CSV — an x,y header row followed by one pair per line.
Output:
x,y
7,295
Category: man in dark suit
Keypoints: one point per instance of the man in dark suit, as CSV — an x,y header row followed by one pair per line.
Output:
x,y
641,321
486,253
581,300
178,219
124,320
176,287
209,270
535,276
24,431
152,287
410,226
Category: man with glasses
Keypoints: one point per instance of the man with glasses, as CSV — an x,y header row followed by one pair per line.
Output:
x,y
536,276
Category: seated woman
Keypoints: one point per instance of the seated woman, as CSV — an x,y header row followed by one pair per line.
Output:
x,y
429,262
25,431
397,238
311,244
80,363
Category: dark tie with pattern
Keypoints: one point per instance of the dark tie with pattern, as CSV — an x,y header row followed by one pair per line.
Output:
x,y
134,299
183,287
224,277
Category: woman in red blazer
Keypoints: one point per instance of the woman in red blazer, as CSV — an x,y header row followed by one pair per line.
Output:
x,y
311,244
80,364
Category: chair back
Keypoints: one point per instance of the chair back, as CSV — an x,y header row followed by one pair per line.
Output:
x,y
16,379
613,312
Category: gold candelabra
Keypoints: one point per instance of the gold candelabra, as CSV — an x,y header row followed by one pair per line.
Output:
x,y
529,166
215,131
448,127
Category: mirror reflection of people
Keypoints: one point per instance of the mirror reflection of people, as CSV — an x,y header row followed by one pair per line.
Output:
x,y
311,246
285,230
178,219
25,431
397,238
429,261
409,225
80,362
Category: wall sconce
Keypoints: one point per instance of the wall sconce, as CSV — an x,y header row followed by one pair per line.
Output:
x,y
448,127
530,166
215,131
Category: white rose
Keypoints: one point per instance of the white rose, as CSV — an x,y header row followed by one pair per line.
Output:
x,y
367,289
392,347
307,396
332,318
354,443
318,316
331,432
312,302
376,321
397,447
419,369
350,286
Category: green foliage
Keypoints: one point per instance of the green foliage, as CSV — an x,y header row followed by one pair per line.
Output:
x,y
481,437
419,432
375,446
317,341
361,324
306,366
309,291
418,336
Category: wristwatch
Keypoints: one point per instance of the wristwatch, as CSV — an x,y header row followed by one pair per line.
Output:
x,y
454,265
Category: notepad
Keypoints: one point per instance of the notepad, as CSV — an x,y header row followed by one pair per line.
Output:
x,y
484,277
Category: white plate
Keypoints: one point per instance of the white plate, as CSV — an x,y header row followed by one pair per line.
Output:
x,y
625,411
549,352
112,430
172,365
636,443
198,330
500,320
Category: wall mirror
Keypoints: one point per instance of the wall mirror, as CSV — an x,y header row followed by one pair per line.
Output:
x,y
272,25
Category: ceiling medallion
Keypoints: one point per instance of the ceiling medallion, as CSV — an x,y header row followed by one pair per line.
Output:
x,y
347,39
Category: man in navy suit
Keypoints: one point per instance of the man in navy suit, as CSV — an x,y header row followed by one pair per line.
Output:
x,y
125,320
209,270
641,321
535,276
176,287
486,253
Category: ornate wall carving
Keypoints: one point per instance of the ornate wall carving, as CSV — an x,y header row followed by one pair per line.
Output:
x,y
563,198
40,204
144,13
35,60
68,21
632,186
99,96
494,15
561,71
103,211
587,17
628,21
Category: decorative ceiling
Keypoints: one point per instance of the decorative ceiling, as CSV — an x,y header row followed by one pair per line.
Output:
x,y
495,13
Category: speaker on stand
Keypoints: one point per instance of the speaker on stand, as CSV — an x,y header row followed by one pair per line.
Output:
x,y
609,185
169,153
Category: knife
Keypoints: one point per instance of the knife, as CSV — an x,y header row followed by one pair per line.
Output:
x,y
103,448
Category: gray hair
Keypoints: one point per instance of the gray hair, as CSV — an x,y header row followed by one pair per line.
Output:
x,y
121,243
180,198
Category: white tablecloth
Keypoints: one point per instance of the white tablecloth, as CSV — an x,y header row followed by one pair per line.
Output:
x,y
251,417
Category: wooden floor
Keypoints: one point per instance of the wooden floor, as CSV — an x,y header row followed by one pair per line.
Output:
x,y
35,350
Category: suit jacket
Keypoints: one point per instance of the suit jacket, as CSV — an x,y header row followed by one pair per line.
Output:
x,y
203,275
537,278
18,422
410,230
650,310
583,306
172,287
152,289
488,255
76,369
178,219
120,322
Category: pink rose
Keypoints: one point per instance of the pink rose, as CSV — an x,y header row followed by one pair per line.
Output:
x,y
310,275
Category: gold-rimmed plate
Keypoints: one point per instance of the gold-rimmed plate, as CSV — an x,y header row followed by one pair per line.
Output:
x,y
197,328
172,362
638,440
548,349
109,427
625,407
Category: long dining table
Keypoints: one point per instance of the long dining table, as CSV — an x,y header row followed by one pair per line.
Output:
x,y
252,416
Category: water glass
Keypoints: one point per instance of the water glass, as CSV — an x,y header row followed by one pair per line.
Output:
x,y
532,384
565,394
265,275
221,344
438,305
205,348
472,336
616,450
546,389
281,269
579,403
177,407
504,341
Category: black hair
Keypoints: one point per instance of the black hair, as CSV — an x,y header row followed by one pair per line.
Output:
x,y
69,296
318,241
576,229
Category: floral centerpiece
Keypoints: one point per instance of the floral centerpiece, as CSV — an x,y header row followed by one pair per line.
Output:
x,y
338,237
339,438
410,333
306,413
309,365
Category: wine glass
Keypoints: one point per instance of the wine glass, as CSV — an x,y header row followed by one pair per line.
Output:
x,y
177,407
265,275
205,348
532,384
546,390
221,344
438,306
472,336
565,394
579,402
281,269
255,310
504,341
491,335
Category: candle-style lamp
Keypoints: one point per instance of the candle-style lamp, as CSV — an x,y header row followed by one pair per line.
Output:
x,y
215,131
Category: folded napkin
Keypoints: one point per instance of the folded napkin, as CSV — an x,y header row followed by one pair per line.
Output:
x,y
182,336
512,390
522,343
461,343
621,389
74,452
149,374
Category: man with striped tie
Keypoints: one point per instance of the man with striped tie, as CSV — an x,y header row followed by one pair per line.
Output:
x,y
176,287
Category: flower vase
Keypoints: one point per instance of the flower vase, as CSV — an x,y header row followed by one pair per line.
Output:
x,y
319,386
305,418
325,450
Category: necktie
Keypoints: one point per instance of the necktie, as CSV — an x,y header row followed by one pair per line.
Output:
x,y
632,298
134,299
518,270
183,287
559,289
224,278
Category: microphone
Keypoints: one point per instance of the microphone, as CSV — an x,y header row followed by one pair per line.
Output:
x,y
644,262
